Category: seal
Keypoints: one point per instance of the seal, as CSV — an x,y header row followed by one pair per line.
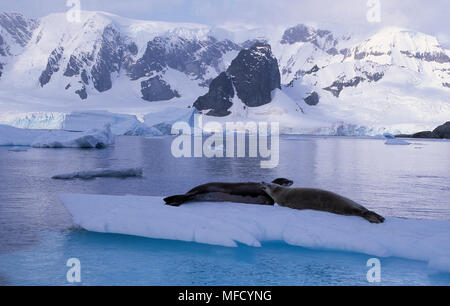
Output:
x,y
317,199
247,193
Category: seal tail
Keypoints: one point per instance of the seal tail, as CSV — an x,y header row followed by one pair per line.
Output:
x,y
176,200
373,217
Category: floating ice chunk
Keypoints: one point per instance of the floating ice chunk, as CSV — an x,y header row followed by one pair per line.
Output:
x,y
130,172
397,142
389,136
96,138
20,149
227,224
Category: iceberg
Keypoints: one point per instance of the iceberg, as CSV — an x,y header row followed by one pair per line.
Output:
x,y
96,138
230,224
392,141
389,136
121,124
129,172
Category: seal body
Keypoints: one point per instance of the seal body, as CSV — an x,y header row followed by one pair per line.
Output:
x,y
317,199
247,193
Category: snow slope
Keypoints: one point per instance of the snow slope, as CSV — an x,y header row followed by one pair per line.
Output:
x,y
228,224
393,80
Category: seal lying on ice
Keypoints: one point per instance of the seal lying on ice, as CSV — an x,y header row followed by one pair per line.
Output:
x,y
248,193
316,199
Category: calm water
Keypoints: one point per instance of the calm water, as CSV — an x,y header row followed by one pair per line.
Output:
x,y
37,235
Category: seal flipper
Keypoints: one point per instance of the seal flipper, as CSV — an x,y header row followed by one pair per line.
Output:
x,y
176,200
372,217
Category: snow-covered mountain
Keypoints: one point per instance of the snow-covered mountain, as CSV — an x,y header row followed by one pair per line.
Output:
x,y
392,80
15,33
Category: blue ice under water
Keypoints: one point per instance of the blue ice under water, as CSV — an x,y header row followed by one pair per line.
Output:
x,y
108,259
37,236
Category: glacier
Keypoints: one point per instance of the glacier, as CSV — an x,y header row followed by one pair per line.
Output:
x,y
95,138
80,121
230,224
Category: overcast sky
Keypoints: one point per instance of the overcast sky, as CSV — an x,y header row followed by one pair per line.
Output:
x,y
429,16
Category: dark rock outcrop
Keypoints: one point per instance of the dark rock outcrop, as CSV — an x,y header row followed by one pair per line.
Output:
x,y
16,31
302,33
425,134
301,73
252,75
443,131
312,99
373,77
113,54
82,93
255,74
156,89
3,47
322,39
109,59
52,66
438,57
192,57
338,86
219,97
18,27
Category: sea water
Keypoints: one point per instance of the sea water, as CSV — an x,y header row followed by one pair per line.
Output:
x,y
37,236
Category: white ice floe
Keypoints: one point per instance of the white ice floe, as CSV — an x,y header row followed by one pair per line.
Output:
x,y
227,224
397,142
129,172
96,138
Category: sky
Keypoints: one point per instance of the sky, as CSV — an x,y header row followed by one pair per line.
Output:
x,y
427,16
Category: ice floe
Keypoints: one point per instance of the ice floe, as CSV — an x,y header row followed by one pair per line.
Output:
x,y
397,142
228,224
128,172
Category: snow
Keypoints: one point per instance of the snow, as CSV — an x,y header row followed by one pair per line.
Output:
x,y
96,138
168,115
409,98
128,172
227,224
